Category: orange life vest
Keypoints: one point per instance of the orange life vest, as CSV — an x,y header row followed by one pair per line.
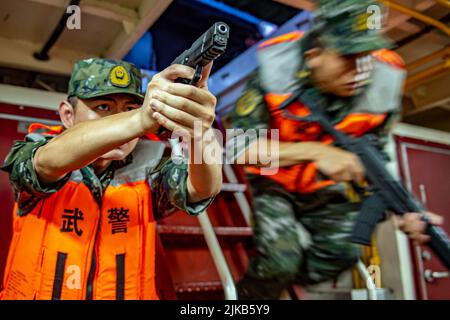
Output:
x,y
68,247
303,178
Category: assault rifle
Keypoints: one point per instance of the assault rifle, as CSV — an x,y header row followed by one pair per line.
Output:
x,y
384,192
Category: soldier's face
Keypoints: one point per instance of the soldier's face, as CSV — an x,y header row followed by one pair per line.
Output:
x,y
334,73
96,108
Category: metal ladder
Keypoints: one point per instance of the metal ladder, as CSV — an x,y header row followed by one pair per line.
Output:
x,y
215,250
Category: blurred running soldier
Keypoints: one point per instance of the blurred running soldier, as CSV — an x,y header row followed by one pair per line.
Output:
x,y
344,65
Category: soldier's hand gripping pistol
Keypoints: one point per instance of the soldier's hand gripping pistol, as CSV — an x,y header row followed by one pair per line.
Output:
x,y
211,45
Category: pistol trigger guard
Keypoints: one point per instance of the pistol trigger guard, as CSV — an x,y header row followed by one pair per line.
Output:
x,y
197,75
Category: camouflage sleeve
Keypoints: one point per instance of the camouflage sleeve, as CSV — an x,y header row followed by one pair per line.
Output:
x,y
169,190
249,116
22,175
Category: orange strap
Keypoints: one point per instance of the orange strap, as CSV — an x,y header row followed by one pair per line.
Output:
x,y
54,130
288,37
359,123
48,129
390,57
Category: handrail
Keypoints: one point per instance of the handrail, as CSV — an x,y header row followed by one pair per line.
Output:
x,y
442,53
416,14
426,74
239,196
443,2
371,287
226,278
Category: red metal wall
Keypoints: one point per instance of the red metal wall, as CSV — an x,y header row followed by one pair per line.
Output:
x,y
427,164
8,134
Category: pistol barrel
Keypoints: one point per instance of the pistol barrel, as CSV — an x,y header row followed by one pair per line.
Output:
x,y
208,47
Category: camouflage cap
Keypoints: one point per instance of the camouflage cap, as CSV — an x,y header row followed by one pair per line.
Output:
x,y
350,26
98,77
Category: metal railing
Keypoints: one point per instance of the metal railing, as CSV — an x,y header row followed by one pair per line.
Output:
x,y
213,244
217,255
225,275
371,286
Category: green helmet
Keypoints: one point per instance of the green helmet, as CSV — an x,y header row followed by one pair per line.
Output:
x,y
98,77
349,26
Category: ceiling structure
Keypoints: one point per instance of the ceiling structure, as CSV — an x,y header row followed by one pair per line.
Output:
x,y
110,28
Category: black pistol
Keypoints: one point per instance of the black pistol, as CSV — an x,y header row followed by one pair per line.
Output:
x,y
211,45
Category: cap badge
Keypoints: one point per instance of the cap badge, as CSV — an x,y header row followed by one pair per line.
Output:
x,y
119,77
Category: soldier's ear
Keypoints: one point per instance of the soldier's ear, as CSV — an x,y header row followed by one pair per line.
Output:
x,y
312,57
66,114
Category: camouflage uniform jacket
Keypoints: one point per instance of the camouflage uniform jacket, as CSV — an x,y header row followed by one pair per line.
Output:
x,y
168,181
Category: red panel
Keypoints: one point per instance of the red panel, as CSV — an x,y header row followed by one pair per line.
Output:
x,y
9,134
428,165
191,266
29,112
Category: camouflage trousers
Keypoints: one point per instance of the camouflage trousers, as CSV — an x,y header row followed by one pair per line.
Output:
x,y
287,253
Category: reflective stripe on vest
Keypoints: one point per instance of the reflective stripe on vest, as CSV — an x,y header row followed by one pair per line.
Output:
x,y
51,251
